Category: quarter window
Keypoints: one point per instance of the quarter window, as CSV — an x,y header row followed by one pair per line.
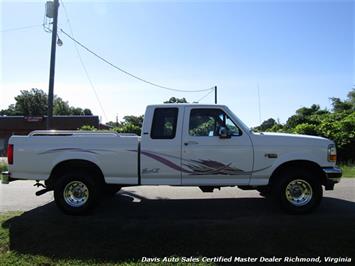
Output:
x,y
164,123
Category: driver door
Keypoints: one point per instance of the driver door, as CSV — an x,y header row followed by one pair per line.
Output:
x,y
208,159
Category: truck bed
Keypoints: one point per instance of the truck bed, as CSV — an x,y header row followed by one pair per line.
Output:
x,y
39,152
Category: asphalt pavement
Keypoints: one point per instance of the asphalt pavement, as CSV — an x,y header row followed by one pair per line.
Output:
x,y
20,195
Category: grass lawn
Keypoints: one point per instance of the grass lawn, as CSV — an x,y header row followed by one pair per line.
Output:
x,y
3,166
348,170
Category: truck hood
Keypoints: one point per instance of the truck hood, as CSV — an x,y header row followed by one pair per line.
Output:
x,y
290,139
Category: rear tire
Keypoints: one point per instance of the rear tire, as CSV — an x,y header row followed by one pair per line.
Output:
x,y
298,191
110,190
76,193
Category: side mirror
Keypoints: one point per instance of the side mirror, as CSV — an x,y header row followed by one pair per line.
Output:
x,y
223,133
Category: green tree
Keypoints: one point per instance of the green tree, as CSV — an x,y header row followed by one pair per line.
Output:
x,y
304,111
11,110
351,97
113,124
61,107
128,128
346,105
76,111
339,105
277,128
88,128
176,100
130,124
305,115
267,124
34,103
337,125
340,127
87,111
306,129
134,120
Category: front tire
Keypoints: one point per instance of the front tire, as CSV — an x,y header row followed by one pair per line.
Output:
x,y
298,191
264,191
76,193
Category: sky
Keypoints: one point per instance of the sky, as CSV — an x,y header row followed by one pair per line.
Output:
x,y
297,53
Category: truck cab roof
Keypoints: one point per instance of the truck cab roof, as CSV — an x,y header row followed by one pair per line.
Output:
x,y
187,105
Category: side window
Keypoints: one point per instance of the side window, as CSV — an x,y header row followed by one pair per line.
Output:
x,y
204,122
232,128
164,123
207,122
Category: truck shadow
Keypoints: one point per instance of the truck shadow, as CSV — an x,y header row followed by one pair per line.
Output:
x,y
129,227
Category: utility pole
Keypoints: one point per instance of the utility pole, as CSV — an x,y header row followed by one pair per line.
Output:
x,y
52,64
215,94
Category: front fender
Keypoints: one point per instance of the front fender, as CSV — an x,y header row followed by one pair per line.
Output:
x,y
262,177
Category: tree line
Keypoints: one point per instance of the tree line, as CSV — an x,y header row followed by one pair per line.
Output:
x,y
34,103
337,124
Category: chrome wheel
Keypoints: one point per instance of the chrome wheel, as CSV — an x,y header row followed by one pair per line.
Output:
x,y
299,192
76,194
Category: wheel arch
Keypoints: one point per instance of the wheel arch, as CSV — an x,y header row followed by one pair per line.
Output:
x,y
74,164
305,164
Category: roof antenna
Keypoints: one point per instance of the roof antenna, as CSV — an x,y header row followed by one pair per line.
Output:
x,y
259,104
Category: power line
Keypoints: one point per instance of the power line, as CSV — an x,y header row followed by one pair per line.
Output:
x,y
126,72
82,63
20,28
203,97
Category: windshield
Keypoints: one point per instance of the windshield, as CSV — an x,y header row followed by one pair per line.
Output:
x,y
239,122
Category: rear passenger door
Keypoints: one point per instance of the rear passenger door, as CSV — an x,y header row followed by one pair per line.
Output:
x,y
161,147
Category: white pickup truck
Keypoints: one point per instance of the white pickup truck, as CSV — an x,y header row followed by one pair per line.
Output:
x,y
181,145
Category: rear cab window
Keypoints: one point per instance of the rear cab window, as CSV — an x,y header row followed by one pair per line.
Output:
x,y
164,123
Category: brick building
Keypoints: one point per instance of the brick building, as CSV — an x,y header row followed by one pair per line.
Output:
x,y
22,125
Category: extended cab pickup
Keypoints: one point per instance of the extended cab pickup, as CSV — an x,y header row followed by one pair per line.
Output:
x,y
181,145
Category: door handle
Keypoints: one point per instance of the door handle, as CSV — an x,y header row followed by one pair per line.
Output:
x,y
190,142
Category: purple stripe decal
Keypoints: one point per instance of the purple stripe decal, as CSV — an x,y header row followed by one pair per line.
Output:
x,y
68,149
165,161
200,167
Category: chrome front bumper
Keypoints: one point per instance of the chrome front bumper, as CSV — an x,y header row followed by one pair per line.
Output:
x,y
333,173
332,176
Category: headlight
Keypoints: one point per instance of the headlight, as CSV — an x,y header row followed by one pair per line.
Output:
x,y
332,153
